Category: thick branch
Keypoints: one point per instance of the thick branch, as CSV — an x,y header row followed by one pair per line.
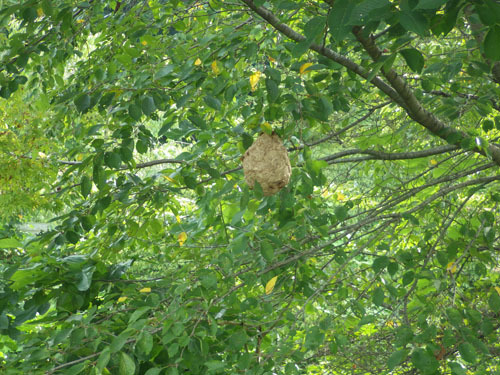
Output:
x,y
400,92
327,52
413,107
380,155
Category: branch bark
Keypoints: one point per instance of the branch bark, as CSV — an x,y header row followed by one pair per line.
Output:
x,y
380,155
414,108
398,90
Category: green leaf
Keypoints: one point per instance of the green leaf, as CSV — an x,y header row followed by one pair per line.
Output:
x,y
148,105
491,43
166,70
153,371
272,90
457,369
341,212
380,263
314,27
138,313
247,141
430,4
378,296
85,278
267,251
6,243
214,365
414,21
414,59
494,301
127,365
103,359
76,369
119,341
82,102
145,342
392,268
314,338
112,160
454,317
72,237
408,277
467,352
4,321
212,102
424,361
208,279
397,358
173,348
134,111
85,186
339,17
237,340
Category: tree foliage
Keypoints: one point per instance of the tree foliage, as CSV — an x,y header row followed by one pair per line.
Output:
x,y
123,124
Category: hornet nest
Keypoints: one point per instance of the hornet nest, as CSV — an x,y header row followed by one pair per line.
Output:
x,y
266,162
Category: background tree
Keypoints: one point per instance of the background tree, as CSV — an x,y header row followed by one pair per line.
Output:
x,y
123,125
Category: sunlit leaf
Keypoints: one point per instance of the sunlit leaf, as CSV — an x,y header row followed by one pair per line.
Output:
x,y
254,80
182,238
270,284
215,68
303,67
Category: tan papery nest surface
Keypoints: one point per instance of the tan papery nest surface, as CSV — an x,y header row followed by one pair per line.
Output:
x,y
267,162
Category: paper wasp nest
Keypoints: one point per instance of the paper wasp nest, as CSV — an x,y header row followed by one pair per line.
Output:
x,y
266,162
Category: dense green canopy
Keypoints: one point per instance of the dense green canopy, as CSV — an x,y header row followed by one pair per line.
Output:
x,y
122,127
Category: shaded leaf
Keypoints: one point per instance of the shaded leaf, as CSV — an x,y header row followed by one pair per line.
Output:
x,y
491,43
339,17
414,59
82,102
127,365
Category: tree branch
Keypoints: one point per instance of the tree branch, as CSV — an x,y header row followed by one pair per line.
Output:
x,y
413,107
400,92
274,21
380,155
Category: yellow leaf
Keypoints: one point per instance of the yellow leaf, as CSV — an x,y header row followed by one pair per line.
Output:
x,y
271,59
434,161
122,299
39,12
170,179
182,238
197,62
270,284
178,218
266,128
215,68
340,196
497,288
80,21
451,267
145,290
144,43
303,68
254,80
